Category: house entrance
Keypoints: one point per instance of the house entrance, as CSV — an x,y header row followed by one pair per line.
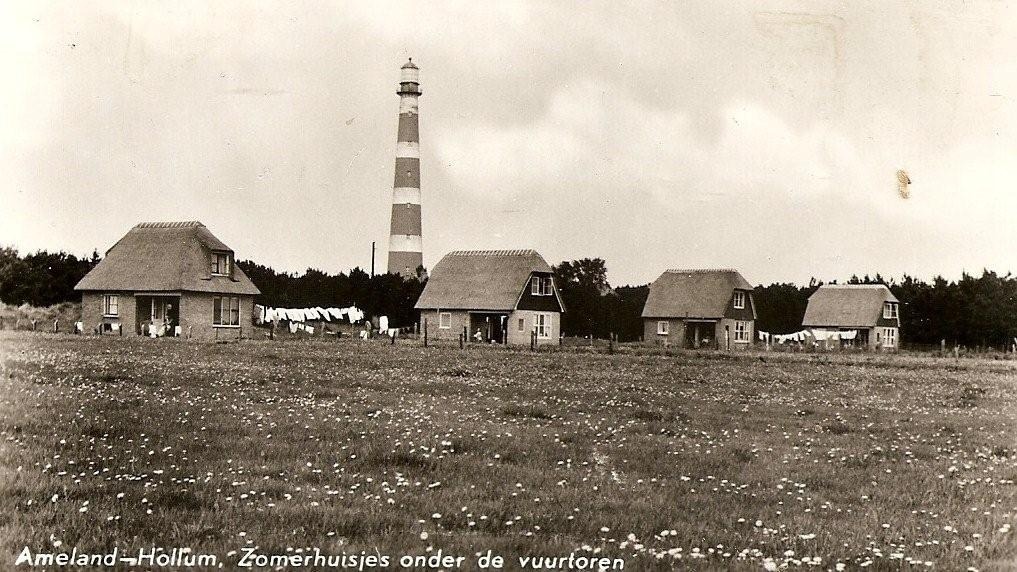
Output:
x,y
700,334
158,315
492,327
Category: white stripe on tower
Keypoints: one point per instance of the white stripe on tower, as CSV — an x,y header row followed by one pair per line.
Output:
x,y
405,243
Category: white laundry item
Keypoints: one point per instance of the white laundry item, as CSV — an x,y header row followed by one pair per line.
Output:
x,y
354,314
176,331
849,335
383,323
310,329
322,313
335,313
310,314
293,327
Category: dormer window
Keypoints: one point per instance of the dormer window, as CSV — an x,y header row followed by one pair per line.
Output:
x,y
221,263
739,300
889,310
541,286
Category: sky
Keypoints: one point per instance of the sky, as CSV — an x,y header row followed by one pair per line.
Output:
x,y
762,136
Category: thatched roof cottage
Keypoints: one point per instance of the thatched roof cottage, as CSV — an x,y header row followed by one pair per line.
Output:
x,y
870,309
499,296
700,308
168,278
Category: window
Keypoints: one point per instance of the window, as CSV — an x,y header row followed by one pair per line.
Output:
x,y
889,337
741,332
111,305
445,320
662,327
890,310
220,263
522,324
541,286
226,311
739,300
542,323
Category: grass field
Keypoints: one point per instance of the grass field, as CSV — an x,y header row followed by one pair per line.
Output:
x,y
689,460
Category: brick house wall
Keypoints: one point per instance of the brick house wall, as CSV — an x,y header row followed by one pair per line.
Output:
x,y
675,336
92,316
460,320
728,325
529,319
196,318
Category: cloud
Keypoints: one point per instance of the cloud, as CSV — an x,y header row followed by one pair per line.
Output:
x,y
653,134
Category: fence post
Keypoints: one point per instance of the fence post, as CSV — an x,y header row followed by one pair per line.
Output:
x,y
425,332
392,335
460,341
271,331
610,343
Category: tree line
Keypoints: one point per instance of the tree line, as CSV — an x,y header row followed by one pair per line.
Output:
x,y
972,311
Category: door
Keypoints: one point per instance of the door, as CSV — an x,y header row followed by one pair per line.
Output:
x,y
157,315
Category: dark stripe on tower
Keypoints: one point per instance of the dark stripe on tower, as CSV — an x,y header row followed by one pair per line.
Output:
x,y
408,128
399,261
406,219
407,172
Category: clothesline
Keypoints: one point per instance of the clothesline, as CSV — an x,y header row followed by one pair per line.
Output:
x,y
814,334
265,314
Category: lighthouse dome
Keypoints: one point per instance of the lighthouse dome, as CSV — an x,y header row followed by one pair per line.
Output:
x,y
409,73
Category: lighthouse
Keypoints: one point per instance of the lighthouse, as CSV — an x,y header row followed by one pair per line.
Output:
x,y
404,246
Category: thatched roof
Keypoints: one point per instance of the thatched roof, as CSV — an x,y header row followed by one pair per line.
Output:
x,y
847,305
480,279
165,257
701,293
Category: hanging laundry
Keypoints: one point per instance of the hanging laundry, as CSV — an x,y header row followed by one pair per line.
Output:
x,y
383,323
293,326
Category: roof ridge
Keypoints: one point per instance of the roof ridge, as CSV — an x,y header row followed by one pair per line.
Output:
x,y
169,224
515,252
698,270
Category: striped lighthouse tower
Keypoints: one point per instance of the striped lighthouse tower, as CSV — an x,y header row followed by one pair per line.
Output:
x,y
404,246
